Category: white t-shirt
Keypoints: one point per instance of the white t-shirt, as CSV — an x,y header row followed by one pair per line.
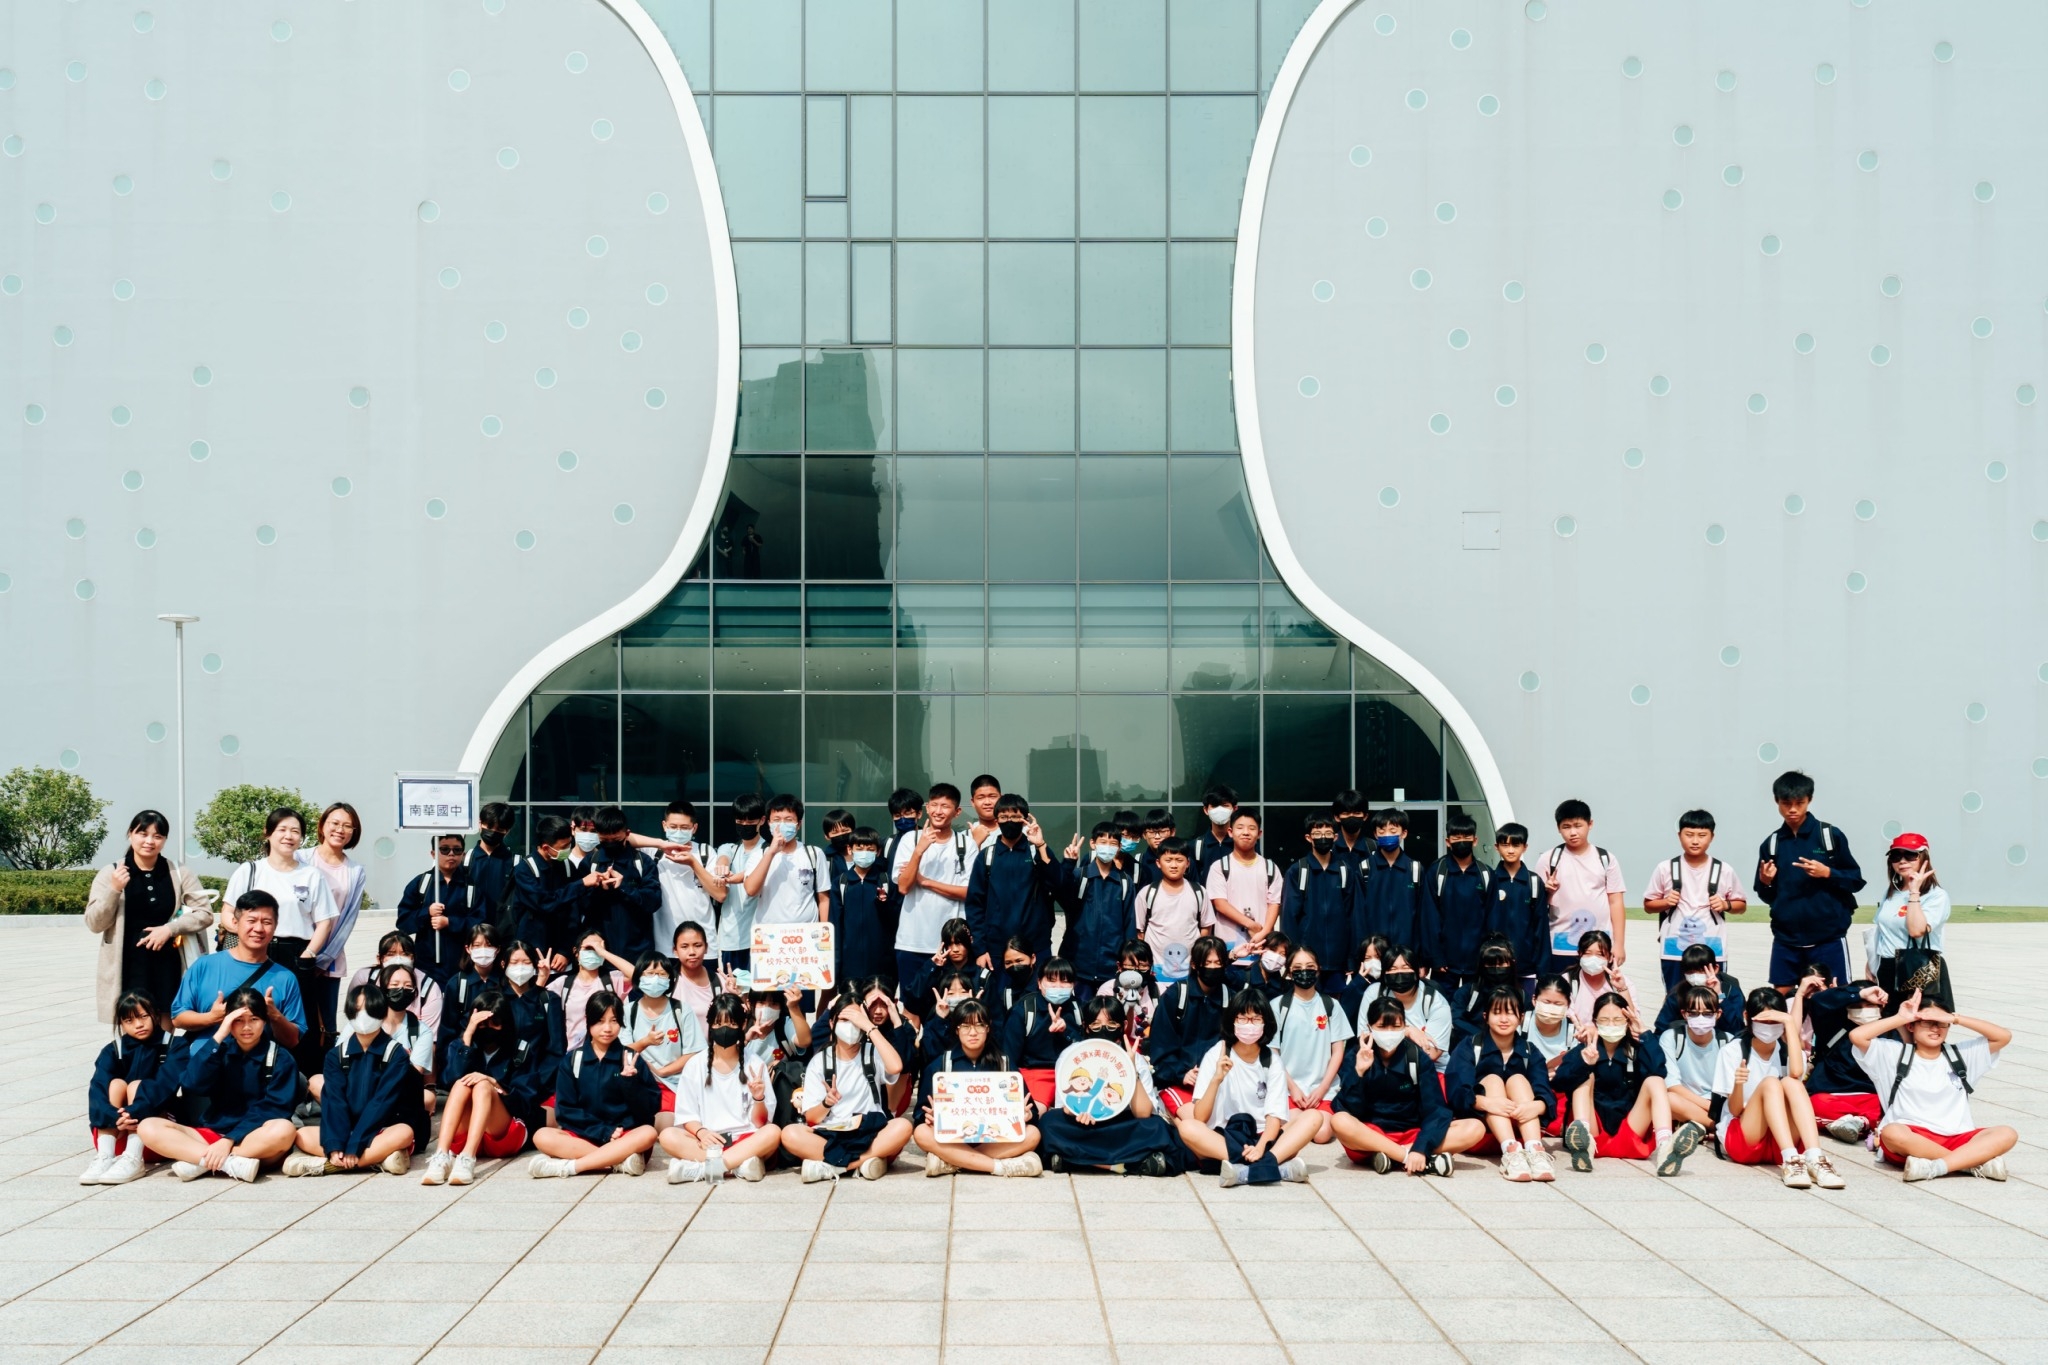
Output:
x,y
1246,1090
1690,1063
1760,1068
683,900
303,899
1307,1031
925,912
855,1099
1253,890
1930,1097
725,1106
789,893
736,921
681,1037
418,1039
1434,1007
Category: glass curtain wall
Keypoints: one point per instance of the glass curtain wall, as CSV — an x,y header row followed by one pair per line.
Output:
x,y
985,509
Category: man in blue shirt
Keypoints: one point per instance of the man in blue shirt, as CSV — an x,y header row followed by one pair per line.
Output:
x,y
201,1002
1808,877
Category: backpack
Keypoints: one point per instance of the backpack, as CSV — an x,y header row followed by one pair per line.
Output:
x,y
867,1069
379,1060
1713,880
1606,859
1343,874
1148,905
1907,1054
1827,841
1286,1002
888,858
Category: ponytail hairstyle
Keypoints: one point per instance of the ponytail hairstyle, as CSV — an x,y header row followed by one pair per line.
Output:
x,y
1620,1002
137,1004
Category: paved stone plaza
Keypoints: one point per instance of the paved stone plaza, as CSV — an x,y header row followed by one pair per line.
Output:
x,y
1721,1262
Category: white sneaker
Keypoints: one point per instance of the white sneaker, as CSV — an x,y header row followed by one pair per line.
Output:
x,y
187,1170
1540,1169
1921,1168
465,1170
544,1167
752,1170
1795,1174
814,1171
685,1172
96,1169
398,1163
1848,1128
873,1168
247,1168
936,1166
1294,1170
1026,1166
1229,1174
438,1167
1440,1164
714,1166
303,1163
1823,1171
1993,1169
128,1166
1515,1166
635,1164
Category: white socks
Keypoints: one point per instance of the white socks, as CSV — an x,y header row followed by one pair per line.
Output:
x,y
1510,1146
1940,1168
106,1145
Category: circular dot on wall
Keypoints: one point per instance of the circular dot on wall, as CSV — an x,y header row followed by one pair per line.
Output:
x,y
1794,504
211,663
525,540
1767,752
1439,423
1529,682
1459,339
1995,471
576,63
1975,713
566,461
1716,534
436,509
1323,291
1730,655
1566,527
1632,457
1390,496
1308,387
623,513
1972,803
68,759
229,744
2016,855
1596,353
429,211
155,732
1659,386
657,202
1375,227
385,847
1771,245
1856,582
199,450
1639,694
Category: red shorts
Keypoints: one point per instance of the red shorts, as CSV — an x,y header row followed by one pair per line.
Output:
x,y
1740,1150
668,1100
1038,1080
1175,1098
208,1136
1406,1138
508,1143
1951,1141
1625,1143
1865,1106
121,1141
1323,1107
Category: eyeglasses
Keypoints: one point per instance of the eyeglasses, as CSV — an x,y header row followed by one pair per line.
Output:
x,y
450,850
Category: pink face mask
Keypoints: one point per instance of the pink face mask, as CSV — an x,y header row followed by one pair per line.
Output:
x,y
1250,1030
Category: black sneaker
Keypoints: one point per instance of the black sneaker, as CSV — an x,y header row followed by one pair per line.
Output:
x,y
1056,1163
307,1115
1382,1163
1154,1164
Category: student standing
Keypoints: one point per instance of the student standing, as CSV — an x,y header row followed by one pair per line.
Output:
x,y
846,1121
1011,885
1239,1117
1135,1142
546,904
1219,806
1172,912
1584,886
1311,1032
1518,903
247,1079
735,862
970,1051
789,885
1500,1079
691,893
1912,913
366,1087
1693,895
1618,1101
722,1107
984,794
1391,1109
1354,828
605,1102
1321,901
930,872
142,908
622,904
1392,900
1100,899
1458,898
1928,1128
862,909
1427,1010
1807,875
129,1083
1765,1114
437,910
1245,887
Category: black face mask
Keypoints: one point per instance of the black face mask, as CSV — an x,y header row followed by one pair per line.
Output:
x,y
401,997
1400,983
1352,825
1209,976
839,842
1496,970
1010,829
1322,845
1019,976
1305,978
1461,849
725,1035
492,837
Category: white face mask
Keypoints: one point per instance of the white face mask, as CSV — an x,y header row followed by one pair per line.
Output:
x,y
1611,1033
398,962
1867,1014
586,839
483,957
1272,962
1767,1032
1387,1039
1370,969
863,858
846,1031
1700,1025
364,1023
764,1015
679,836
1548,1013
521,973
785,829
1218,814
1593,966
590,959
1695,978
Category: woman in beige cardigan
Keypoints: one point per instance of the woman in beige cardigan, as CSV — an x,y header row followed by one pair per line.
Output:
x,y
150,914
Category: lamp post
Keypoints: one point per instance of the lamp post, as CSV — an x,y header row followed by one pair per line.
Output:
x,y
178,624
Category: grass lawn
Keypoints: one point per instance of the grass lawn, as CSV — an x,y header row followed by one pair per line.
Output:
x,y
1964,914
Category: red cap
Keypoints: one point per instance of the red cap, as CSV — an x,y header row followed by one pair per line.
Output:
x,y
1909,843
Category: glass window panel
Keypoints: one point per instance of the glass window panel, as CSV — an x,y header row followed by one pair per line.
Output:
x,y
1123,749
1215,739
939,516
1034,737
771,400
874,292
1123,44
1123,166
1213,45
938,45
755,44
1123,638
1123,400
847,635
847,44
1279,21
1031,401
849,750
687,26
847,395
1031,638
1302,654
1213,533
1199,414
1031,142
759,144
1396,739
575,749
825,292
938,293
938,181
939,401
1032,536
825,147
1370,675
756,745
1031,294
771,291
669,649
825,218
1031,45
1462,777
940,632
848,511
667,749
1123,293
593,670
1284,832
1200,281
756,531
1123,516
1307,747
1482,817
504,776
1215,637
1212,146
938,739
871,165
756,637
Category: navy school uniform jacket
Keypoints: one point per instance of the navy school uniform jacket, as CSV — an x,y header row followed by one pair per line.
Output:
x,y
951,1058
1809,910
1010,894
623,914
594,1095
491,872
546,904
1100,917
364,1093
1731,1007
441,953
1396,1094
243,1090
1458,902
1618,1075
1480,1058
538,1017
460,998
1185,1025
521,1069
1028,1039
146,1064
1518,907
1468,1005
1250,972
1394,904
1321,908
1831,1066
863,911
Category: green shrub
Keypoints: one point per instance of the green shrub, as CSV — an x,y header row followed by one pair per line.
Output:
x,y
49,819
231,825
56,893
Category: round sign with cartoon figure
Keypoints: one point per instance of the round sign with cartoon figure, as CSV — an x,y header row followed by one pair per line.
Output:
x,y
1094,1080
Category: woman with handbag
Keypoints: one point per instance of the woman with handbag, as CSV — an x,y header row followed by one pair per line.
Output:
x,y
1905,939
149,913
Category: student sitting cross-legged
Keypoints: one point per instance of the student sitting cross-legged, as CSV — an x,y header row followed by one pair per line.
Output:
x,y
1390,1106
1136,1141
1618,1099
363,1098
1500,1079
248,1080
1239,1117
844,1103
605,1100
494,1096
1926,1083
722,1106
132,1079
970,1049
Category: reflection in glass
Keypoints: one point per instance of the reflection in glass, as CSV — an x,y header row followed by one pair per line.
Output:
x,y
757,142
1215,739
594,670
1397,748
755,533
1201,417
1031,401
1306,742
874,292
939,400
940,739
1213,532
756,637
939,638
871,156
826,294
1215,636
938,517
666,748
756,746
1123,293
1031,141
848,508
669,649
938,293
938,172
1123,400
1123,749
847,399
1199,276
1123,637
504,775
1031,637
1032,741
771,400
1123,517
847,637
1031,521
1370,675
575,749
849,744
825,147
771,291
1301,652
1031,294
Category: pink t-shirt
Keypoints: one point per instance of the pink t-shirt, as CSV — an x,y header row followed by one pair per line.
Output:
x,y
1253,890
1171,921
1580,902
579,990
696,999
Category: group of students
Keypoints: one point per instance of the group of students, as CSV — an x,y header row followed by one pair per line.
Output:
x,y
591,1000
